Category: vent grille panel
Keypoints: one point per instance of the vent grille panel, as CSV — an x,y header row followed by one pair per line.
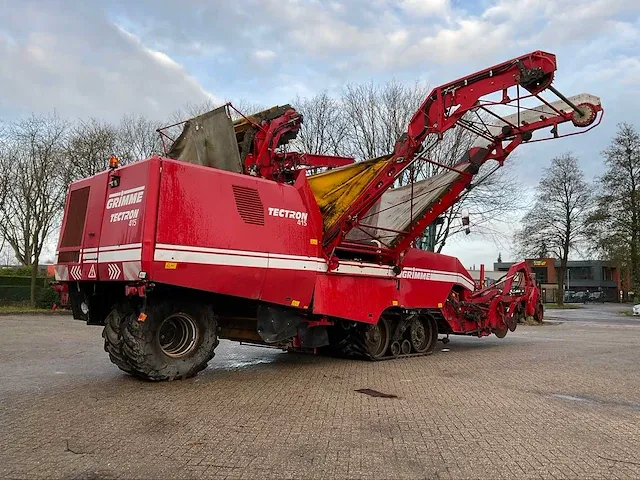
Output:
x,y
249,205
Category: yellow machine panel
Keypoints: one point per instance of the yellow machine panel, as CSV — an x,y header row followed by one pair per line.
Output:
x,y
336,190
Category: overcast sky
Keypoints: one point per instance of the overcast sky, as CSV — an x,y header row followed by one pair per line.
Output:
x,y
105,58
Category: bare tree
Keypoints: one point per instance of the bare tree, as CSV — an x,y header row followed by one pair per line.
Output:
x,y
5,178
557,221
90,143
374,117
193,109
4,163
360,108
448,151
397,103
246,107
491,199
323,129
614,226
187,111
137,138
38,177
367,120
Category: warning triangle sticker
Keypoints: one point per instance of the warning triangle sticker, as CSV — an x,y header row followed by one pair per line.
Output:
x,y
92,272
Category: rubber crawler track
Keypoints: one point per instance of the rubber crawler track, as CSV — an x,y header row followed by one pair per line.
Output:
x,y
350,343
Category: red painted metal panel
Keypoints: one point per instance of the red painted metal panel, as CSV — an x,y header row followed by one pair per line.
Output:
x,y
91,236
124,206
236,281
353,297
95,210
123,210
81,266
286,285
425,281
151,217
427,278
234,234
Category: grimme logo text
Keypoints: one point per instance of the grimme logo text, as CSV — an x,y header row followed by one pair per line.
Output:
x,y
415,274
125,198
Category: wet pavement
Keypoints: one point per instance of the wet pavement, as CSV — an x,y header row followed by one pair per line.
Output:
x,y
602,313
560,400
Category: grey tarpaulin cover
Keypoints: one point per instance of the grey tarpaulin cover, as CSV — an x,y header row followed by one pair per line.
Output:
x,y
209,140
393,210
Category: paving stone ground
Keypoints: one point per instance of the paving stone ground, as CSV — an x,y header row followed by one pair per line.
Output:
x,y
553,401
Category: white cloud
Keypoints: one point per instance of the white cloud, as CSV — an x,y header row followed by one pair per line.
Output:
x,y
158,56
264,55
426,8
470,39
81,65
337,7
398,38
436,30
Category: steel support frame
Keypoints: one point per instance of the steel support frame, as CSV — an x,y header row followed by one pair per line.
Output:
x,y
434,117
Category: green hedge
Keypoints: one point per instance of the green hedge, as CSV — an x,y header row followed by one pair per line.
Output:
x,y
15,272
14,293
17,290
19,281
46,297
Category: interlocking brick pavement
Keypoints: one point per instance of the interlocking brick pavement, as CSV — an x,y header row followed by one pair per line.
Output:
x,y
557,401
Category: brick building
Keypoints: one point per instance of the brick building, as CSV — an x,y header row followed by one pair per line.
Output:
x,y
581,276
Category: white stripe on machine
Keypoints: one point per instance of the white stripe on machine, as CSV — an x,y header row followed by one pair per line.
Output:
x,y
127,246
120,255
131,255
117,253
239,258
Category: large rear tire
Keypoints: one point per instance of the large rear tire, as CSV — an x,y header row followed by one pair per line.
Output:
x,y
176,340
113,338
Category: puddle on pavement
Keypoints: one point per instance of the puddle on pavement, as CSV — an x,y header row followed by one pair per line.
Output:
x,y
375,393
598,401
570,397
236,364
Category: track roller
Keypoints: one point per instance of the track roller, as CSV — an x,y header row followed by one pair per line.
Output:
x,y
376,339
424,334
395,335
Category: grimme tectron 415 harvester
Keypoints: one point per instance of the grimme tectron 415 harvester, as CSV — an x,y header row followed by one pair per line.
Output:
x,y
229,235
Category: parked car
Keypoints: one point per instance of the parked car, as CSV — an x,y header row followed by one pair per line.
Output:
x,y
596,297
636,309
577,297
